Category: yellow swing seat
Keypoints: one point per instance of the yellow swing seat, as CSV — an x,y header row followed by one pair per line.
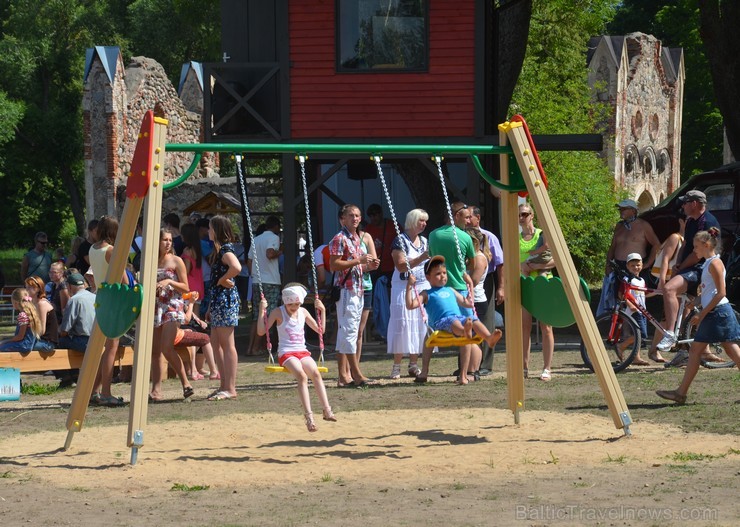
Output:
x,y
445,339
275,368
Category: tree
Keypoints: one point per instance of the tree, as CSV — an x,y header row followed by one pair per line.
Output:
x,y
719,31
42,57
554,96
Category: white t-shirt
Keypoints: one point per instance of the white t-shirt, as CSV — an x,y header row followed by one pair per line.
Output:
x,y
269,269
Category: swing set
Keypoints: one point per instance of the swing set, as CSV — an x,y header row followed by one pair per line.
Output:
x,y
145,189
272,366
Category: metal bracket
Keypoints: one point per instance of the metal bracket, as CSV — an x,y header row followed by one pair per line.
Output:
x,y
626,422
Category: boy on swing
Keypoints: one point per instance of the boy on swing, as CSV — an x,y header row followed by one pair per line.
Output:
x,y
443,304
291,320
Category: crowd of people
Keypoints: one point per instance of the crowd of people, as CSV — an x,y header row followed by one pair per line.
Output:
x,y
451,281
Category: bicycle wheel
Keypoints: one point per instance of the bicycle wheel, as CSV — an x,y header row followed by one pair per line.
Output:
x,y
623,347
714,347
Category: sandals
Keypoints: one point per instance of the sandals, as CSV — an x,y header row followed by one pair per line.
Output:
x,y
396,372
414,370
187,392
220,395
110,401
310,425
545,375
329,415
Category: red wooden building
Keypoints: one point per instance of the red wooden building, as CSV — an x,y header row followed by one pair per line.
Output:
x,y
375,71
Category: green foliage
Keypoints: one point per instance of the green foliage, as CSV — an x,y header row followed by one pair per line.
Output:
x,y
174,31
189,488
554,96
676,24
38,389
10,263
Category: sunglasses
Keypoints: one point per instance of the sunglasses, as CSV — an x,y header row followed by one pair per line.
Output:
x,y
524,214
458,210
42,243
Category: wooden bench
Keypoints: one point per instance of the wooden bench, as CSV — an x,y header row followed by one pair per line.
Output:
x,y
66,359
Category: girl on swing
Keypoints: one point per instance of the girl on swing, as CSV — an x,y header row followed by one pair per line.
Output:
x,y
291,320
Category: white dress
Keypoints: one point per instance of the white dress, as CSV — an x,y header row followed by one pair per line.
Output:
x,y
406,328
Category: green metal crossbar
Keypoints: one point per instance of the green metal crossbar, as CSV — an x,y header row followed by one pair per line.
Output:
x,y
370,149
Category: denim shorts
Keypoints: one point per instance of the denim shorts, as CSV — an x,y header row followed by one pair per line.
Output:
x,y
641,321
692,276
368,299
720,325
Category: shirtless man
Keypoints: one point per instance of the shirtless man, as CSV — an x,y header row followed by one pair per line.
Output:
x,y
632,235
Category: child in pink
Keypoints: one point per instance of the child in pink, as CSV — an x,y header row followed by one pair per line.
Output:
x,y
291,320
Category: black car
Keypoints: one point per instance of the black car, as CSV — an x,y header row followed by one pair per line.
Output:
x,y
722,188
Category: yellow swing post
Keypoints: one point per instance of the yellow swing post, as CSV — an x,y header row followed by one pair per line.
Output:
x,y
518,136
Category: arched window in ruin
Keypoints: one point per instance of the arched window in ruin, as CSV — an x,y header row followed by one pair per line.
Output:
x,y
664,162
631,159
637,124
653,127
649,162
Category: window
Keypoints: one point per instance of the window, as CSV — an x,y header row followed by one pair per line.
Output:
x,y
382,35
719,197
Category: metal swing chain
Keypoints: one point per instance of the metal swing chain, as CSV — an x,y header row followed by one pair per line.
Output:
x,y
319,321
438,161
255,261
387,194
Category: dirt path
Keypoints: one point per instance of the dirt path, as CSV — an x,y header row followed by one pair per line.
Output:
x,y
395,467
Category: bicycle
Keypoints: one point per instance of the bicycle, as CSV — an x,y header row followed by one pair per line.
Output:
x,y
621,334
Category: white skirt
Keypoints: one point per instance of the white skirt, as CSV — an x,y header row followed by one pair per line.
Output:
x,y
406,329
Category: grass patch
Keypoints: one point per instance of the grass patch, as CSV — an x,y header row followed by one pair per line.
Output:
x,y
684,469
7,475
189,488
327,478
695,456
10,261
621,460
35,388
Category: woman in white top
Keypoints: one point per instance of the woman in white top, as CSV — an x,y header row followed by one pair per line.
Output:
x,y
406,328
100,255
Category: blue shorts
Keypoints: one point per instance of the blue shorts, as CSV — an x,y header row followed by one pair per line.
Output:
x,y
368,300
445,323
720,325
692,276
642,324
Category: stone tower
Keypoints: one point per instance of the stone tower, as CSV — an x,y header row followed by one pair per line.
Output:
x,y
643,83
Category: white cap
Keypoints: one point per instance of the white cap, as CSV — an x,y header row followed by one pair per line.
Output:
x,y
634,256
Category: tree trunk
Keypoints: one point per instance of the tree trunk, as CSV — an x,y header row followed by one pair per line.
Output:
x,y
75,199
719,31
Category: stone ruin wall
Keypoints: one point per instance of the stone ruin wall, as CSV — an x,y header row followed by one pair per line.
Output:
x,y
112,114
645,126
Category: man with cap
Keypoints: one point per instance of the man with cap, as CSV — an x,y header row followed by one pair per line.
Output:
x,y
77,322
687,271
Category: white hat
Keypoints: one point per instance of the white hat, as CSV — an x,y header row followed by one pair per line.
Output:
x,y
625,203
634,256
293,294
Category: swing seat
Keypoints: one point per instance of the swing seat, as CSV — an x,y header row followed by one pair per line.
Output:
x,y
281,369
445,339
